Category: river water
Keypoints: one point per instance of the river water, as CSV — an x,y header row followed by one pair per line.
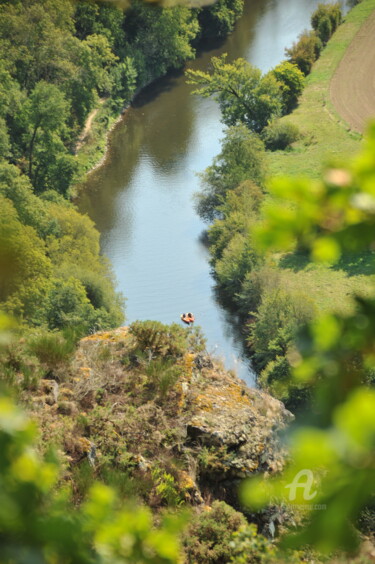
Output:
x,y
141,199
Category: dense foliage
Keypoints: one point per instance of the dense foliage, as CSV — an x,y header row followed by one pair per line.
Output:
x,y
241,159
51,271
57,60
334,354
222,534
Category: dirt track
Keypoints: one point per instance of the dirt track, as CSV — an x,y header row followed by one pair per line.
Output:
x,y
352,87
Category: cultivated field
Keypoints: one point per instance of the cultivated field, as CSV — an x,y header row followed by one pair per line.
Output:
x,y
352,88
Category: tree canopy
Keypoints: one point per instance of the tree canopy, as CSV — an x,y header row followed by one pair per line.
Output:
x,y
240,159
243,94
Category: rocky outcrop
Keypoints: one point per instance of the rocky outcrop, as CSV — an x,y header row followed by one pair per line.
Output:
x,y
185,420
244,423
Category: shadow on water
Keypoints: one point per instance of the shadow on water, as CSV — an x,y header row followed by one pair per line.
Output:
x,y
157,87
235,324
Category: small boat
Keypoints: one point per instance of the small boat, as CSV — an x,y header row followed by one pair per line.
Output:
x,y
187,318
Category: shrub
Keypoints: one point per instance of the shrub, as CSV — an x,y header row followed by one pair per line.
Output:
x,y
250,548
326,19
277,320
163,375
51,348
279,135
292,81
166,487
208,538
159,339
196,340
305,51
18,369
39,526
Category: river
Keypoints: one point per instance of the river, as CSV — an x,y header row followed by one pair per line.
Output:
x,y
141,199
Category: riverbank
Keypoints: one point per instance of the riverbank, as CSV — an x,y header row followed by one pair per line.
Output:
x,y
206,26
277,292
326,137
92,147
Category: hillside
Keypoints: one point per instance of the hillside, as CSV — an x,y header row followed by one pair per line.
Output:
x,y
325,137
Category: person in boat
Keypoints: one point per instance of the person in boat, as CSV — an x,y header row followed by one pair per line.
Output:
x,y
187,318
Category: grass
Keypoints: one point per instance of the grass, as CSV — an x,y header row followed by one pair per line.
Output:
x,y
331,288
326,137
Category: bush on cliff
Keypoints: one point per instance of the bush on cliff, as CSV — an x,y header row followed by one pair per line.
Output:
x,y
208,538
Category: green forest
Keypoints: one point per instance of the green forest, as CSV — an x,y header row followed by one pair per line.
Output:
x,y
58,59
131,443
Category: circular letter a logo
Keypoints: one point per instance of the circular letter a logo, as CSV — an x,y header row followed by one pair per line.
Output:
x,y
305,485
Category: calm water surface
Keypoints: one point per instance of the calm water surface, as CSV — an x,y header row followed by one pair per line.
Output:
x,y
141,198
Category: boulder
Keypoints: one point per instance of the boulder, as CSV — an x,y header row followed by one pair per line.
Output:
x,y
243,423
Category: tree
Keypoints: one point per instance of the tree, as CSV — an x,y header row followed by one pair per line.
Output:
x,y
31,210
218,19
237,260
24,266
305,51
160,38
99,62
124,77
243,94
30,34
9,91
108,20
45,112
326,19
241,158
69,306
239,212
279,316
4,140
291,79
